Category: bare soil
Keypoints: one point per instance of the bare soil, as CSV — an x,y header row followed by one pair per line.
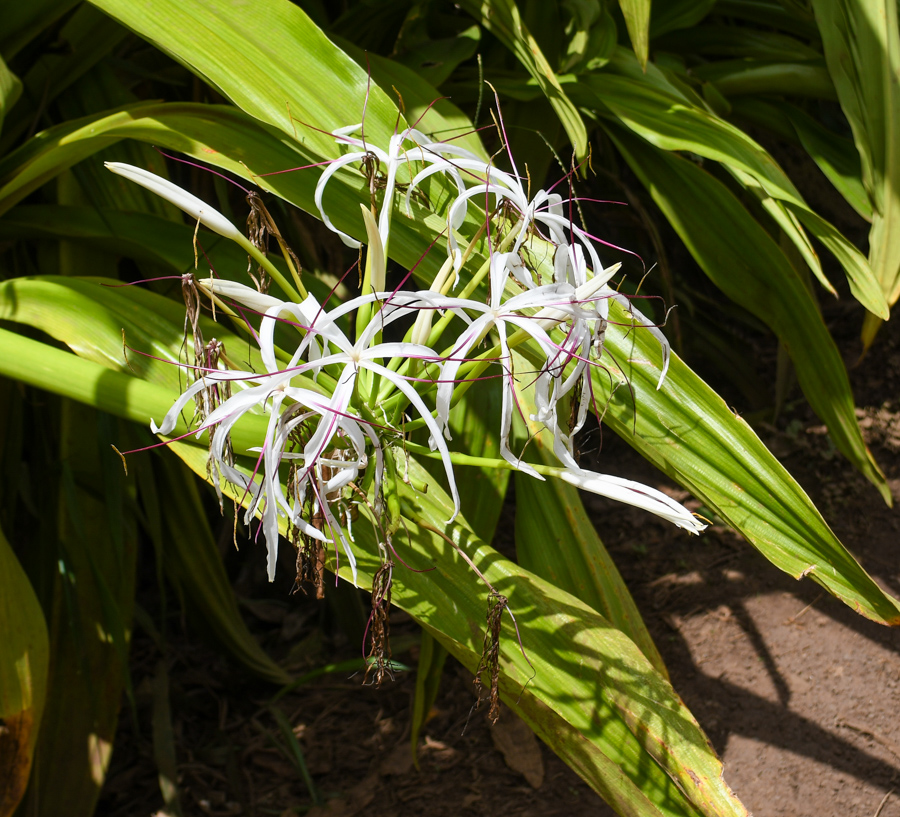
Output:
x,y
799,695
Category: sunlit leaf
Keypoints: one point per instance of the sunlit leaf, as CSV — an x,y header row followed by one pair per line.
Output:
x,y
747,265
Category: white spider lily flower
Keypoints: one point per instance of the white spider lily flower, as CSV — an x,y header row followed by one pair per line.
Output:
x,y
194,207
269,393
353,357
551,301
633,493
545,209
423,149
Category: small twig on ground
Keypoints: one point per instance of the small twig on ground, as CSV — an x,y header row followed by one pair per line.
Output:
x,y
881,804
795,618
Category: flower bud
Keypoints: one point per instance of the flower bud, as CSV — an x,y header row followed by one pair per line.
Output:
x,y
208,216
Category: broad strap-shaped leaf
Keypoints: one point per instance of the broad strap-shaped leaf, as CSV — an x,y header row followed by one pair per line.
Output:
x,y
746,264
676,15
581,684
24,21
835,156
792,17
271,61
88,602
862,48
473,425
637,20
193,564
660,113
720,40
89,36
690,433
556,539
806,78
217,133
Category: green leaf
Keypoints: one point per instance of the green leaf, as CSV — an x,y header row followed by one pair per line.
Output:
x,y
690,433
790,17
556,539
24,21
735,41
807,78
436,60
234,142
503,20
674,15
835,156
272,61
747,265
24,660
193,565
473,424
581,684
862,48
164,742
88,36
665,117
92,558
637,21
432,657
220,131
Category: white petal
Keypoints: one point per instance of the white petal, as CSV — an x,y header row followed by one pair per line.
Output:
x,y
633,493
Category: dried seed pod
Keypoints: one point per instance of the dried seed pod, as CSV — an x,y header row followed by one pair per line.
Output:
x,y
379,627
490,656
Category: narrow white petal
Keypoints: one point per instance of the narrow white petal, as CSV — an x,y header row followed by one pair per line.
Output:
x,y
633,493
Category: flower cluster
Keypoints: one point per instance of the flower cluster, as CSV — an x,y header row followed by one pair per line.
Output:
x,y
340,400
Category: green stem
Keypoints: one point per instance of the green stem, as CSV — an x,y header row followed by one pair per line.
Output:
x,y
482,462
296,295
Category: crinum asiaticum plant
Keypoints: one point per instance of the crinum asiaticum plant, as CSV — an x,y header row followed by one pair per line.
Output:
x,y
340,407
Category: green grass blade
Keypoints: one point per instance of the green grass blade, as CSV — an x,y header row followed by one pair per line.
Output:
x,y
294,753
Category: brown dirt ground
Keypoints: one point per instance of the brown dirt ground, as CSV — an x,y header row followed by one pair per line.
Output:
x,y
799,695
